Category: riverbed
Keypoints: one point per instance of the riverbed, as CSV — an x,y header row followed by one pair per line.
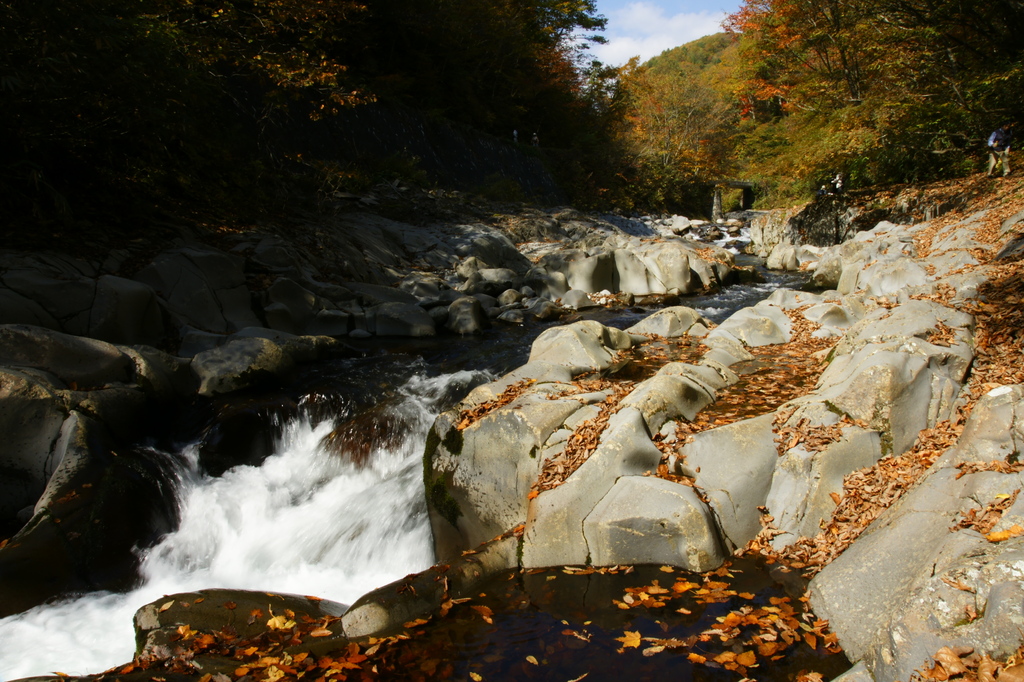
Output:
x,y
310,519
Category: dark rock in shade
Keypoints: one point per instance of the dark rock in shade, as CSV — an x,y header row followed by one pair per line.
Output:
x,y
31,414
467,316
79,362
243,431
64,547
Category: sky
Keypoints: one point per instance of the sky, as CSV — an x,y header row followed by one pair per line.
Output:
x,y
649,27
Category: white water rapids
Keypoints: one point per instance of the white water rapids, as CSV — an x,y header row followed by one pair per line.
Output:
x,y
306,521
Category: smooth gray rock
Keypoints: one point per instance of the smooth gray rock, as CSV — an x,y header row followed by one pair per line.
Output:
x,y
82,362
668,322
386,608
242,363
648,520
667,397
581,346
31,416
895,393
734,465
578,300
761,325
632,273
403,319
554,527
125,311
803,481
479,477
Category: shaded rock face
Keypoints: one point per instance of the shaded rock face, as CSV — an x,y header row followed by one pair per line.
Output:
x,y
243,431
63,548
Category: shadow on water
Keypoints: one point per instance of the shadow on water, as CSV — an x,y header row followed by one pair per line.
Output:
x,y
550,624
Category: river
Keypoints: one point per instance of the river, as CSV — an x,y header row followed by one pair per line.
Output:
x,y
307,520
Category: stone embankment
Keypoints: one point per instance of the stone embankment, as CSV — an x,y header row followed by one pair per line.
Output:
x,y
926,574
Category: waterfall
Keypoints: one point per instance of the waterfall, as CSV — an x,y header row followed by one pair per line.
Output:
x,y
309,520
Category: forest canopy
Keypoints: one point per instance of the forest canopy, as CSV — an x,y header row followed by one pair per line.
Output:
x,y
135,102
124,106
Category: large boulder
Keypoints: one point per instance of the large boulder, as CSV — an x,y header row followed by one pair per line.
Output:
x,y
239,364
734,466
921,576
466,315
63,548
648,520
760,325
582,346
79,362
478,478
554,527
669,322
402,319
31,415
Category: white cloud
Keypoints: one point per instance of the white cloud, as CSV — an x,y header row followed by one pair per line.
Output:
x,y
644,29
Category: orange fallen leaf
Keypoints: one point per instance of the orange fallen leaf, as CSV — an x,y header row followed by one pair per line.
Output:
x,y
747,658
1012,532
630,639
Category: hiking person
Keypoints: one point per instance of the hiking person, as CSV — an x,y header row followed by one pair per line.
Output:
x,y
999,148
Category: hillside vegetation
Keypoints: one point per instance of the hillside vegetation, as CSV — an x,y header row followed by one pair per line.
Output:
x,y
121,109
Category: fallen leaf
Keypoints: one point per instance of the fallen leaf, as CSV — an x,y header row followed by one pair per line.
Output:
x,y
230,605
321,632
1012,674
415,623
630,640
696,658
950,661
274,674
987,669
280,623
746,659
485,613
532,659
1013,531
476,677
166,606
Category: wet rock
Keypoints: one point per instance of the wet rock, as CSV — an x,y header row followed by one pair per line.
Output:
x,y
384,610
243,431
62,548
216,610
467,316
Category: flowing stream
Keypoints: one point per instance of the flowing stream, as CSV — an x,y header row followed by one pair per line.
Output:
x,y
308,520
